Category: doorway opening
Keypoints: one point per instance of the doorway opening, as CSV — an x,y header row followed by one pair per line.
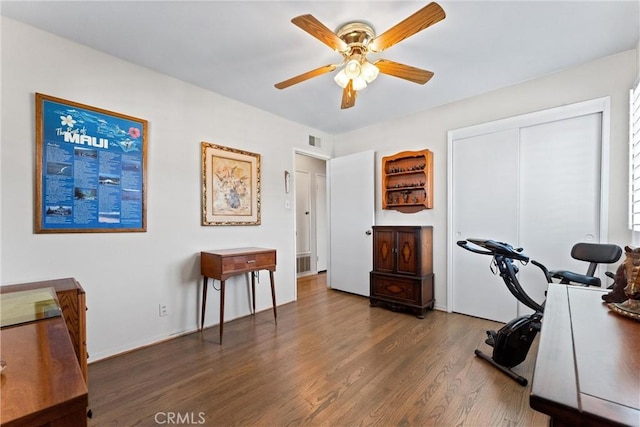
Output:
x,y
311,215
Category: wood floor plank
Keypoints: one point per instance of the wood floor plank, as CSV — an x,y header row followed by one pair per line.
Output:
x,y
332,360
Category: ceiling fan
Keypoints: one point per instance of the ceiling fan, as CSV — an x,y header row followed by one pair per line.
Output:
x,y
354,40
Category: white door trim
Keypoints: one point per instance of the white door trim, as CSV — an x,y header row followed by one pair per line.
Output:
x,y
599,105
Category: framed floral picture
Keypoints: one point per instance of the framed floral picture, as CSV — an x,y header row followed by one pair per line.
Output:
x,y
90,169
230,186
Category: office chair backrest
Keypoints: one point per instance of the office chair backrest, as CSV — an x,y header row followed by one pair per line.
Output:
x,y
596,253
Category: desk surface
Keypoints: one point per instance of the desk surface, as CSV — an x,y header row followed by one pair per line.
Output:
x,y
42,380
238,251
587,370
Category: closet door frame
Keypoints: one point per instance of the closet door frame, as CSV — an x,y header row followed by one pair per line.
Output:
x,y
599,105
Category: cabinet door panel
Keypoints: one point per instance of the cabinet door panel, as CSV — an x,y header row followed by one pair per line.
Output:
x,y
408,252
383,250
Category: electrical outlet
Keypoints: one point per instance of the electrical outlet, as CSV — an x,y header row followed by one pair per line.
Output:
x,y
162,310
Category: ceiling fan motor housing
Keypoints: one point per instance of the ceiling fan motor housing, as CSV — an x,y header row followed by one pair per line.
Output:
x,y
357,36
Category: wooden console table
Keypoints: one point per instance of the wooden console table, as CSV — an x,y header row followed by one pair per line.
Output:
x,y
42,383
587,371
224,263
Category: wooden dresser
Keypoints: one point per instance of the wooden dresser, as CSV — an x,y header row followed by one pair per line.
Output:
x,y
72,301
402,276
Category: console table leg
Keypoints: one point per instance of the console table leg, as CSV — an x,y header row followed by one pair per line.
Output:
x,y
221,309
204,302
273,297
253,290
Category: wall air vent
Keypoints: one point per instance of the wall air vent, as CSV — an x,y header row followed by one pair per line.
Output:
x,y
314,141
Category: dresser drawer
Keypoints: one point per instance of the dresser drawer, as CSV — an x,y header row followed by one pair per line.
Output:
x,y
399,289
415,292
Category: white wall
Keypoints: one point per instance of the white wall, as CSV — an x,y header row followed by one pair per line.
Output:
x,y
610,76
126,275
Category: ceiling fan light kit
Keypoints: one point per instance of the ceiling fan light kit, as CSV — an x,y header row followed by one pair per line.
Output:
x,y
354,40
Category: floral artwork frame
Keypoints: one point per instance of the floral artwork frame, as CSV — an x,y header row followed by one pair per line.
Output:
x,y
230,186
91,169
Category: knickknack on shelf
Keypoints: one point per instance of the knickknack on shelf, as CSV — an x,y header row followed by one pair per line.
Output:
x,y
407,181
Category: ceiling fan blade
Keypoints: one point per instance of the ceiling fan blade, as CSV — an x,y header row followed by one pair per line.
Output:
x,y
305,76
348,96
413,74
318,30
425,17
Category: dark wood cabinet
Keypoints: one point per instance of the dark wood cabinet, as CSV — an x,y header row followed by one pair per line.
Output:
x,y
402,276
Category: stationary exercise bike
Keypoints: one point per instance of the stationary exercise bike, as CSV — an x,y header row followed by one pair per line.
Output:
x,y
512,342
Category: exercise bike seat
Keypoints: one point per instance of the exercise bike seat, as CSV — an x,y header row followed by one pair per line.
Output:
x,y
570,276
594,254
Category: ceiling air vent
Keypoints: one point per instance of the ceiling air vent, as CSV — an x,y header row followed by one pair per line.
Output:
x,y
314,141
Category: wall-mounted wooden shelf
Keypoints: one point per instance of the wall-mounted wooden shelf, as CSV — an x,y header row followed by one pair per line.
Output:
x,y
407,181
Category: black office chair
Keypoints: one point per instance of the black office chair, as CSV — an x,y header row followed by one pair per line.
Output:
x,y
594,254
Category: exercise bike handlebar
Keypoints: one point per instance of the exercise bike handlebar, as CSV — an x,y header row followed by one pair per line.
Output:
x,y
494,248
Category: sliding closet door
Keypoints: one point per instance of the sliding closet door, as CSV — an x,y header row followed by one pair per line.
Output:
x,y
537,186
485,204
559,194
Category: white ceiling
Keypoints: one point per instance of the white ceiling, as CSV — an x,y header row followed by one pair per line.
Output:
x,y
240,49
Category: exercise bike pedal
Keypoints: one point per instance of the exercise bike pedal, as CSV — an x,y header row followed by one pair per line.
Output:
x,y
491,338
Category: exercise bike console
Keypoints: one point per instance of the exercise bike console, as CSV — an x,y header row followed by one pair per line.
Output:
x,y
494,248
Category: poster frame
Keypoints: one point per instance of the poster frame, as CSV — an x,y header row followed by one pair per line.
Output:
x,y
117,131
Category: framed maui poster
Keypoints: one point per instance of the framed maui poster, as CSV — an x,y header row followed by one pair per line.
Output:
x,y
90,169
230,186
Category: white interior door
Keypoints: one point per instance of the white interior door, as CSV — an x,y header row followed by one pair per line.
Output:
x,y
322,234
484,207
351,207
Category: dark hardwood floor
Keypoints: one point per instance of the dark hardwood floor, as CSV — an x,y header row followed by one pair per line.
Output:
x,y
332,360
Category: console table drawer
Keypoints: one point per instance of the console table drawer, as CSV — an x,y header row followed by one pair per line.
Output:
x,y
225,263
251,262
